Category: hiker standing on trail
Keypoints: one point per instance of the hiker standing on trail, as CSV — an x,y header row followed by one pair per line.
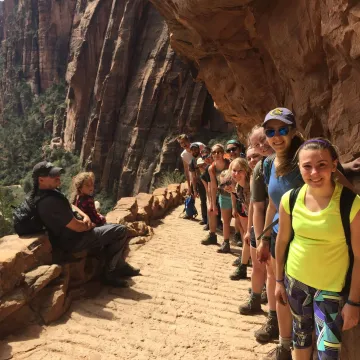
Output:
x,y
325,218
215,169
195,180
241,174
259,198
186,157
234,148
70,234
205,178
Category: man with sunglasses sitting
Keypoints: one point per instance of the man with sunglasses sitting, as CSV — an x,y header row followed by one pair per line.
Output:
x,y
71,230
186,156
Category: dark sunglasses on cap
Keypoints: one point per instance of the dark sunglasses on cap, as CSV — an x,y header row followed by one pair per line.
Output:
x,y
283,131
232,149
205,156
226,183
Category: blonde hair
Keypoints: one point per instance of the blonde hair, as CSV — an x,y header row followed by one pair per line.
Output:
x,y
250,134
225,175
78,182
182,137
244,165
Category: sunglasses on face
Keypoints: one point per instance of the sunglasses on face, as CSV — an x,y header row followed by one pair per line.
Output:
x,y
205,156
232,149
226,183
283,131
217,153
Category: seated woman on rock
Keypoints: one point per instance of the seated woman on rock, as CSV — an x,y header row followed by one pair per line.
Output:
x,y
324,254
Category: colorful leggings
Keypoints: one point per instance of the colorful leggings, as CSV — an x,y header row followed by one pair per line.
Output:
x,y
311,307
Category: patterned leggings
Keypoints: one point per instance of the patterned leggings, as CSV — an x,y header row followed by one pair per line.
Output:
x,y
311,307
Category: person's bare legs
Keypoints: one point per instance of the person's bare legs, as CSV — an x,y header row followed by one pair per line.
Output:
x,y
303,354
211,238
258,275
226,217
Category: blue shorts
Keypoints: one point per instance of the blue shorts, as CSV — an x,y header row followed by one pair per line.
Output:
x,y
225,202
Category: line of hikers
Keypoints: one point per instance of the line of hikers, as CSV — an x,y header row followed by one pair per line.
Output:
x,y
299,220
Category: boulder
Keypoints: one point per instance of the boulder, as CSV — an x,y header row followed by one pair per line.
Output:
x,y
169,200
20,255
176,197
145,202
174,187
38,278
127,204
183,189
138,228
120,217
160,192
11,302
159,206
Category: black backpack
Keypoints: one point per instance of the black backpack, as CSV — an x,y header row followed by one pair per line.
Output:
x,y
346,201
26,219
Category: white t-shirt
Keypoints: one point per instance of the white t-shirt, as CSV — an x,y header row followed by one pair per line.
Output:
x,y
186,155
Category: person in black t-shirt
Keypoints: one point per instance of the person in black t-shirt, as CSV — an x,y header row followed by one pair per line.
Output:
x,y
197,186
77,233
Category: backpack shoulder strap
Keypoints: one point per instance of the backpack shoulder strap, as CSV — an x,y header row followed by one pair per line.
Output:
x,y
292,199
346,201
267,165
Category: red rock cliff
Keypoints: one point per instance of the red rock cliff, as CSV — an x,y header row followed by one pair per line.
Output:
x,y
129,93
255,55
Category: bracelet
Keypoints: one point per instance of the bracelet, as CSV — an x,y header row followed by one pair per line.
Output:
x,y
280,281
352,303
266,238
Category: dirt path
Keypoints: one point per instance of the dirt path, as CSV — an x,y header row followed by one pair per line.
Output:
x,y
183,307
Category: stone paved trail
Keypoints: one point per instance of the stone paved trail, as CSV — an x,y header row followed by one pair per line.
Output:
x,y
183,307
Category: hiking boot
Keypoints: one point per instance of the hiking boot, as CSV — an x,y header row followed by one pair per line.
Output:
x,y
252,306
211,239
238,240
237,262
240,273
264,299
279,353
206,227
269,331
127,270
202,222
113,279
225,248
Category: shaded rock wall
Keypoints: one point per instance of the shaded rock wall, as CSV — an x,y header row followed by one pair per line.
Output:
x,y
129,94
254,55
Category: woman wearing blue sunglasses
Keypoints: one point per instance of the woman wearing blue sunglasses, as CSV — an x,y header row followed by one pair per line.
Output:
x,y
281,175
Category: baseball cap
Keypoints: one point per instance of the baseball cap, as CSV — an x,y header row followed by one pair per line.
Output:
x,y
194,145
200,161
282,114
45,168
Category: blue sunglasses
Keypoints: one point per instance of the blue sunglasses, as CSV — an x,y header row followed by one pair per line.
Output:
x,y
283,131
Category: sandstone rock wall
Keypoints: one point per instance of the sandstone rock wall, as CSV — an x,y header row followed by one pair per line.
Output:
x,y
256,55
37,284
129,94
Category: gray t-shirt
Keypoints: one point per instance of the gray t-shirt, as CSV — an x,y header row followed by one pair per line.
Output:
x,y
258,186
55,212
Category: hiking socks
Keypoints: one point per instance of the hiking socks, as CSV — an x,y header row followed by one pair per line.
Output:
x,y
272,314
285,343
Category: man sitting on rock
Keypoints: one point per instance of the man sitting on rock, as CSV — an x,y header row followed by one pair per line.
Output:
x,y
73,231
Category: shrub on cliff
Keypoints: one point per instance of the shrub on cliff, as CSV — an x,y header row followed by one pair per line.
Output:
x,y
170,177
22,134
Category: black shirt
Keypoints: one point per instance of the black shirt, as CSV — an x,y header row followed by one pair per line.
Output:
x,y
56,212
205,175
